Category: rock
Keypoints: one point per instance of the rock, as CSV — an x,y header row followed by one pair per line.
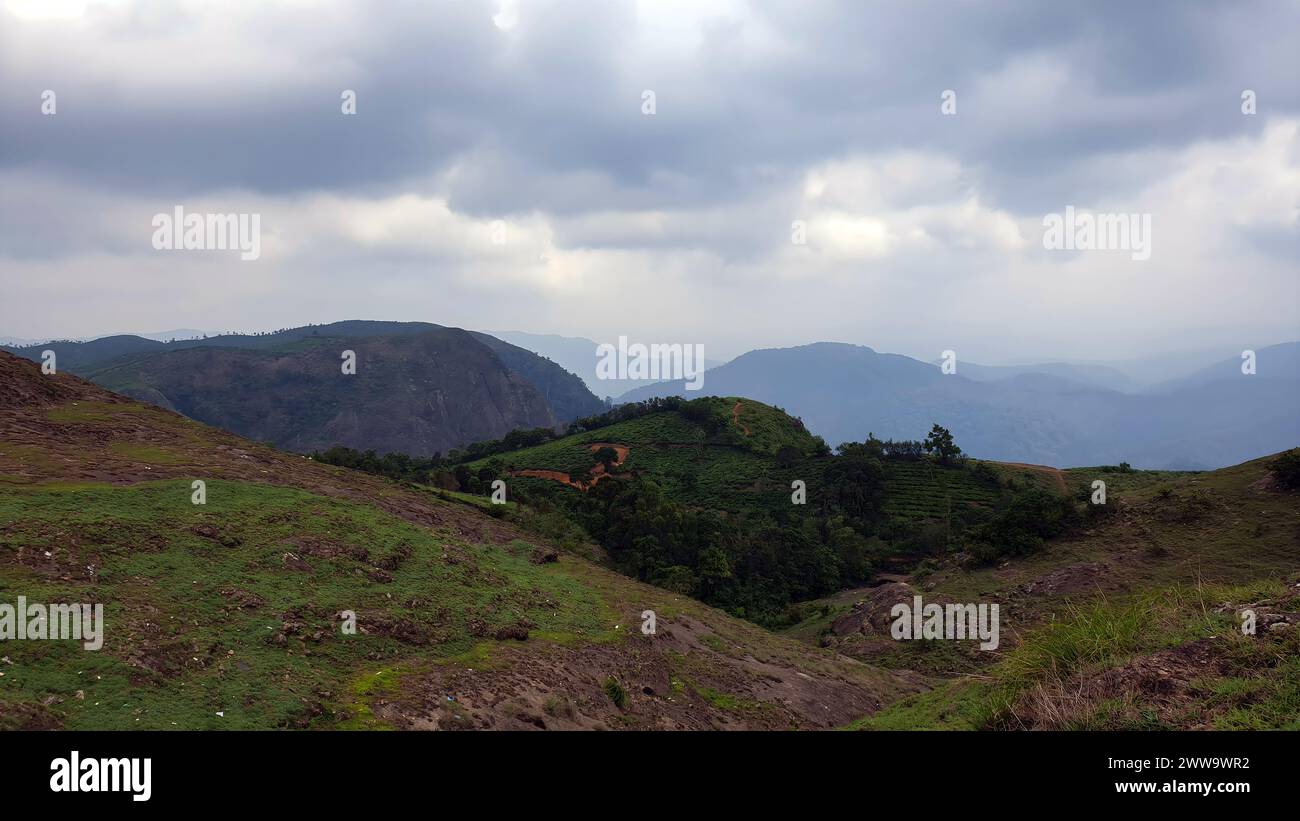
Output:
x,y
1278,627
206,531
545,555
512,631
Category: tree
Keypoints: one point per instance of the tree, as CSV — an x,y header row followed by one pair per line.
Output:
x,y
462,476
1286,468
940,443
606,456
787,456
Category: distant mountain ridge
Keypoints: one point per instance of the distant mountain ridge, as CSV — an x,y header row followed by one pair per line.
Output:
x,y
1097,376
843,392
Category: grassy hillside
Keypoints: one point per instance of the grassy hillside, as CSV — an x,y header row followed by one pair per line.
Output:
x,y
1130,624
227,614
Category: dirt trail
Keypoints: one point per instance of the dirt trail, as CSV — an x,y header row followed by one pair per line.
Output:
x,y
735,417
1057,476
598,471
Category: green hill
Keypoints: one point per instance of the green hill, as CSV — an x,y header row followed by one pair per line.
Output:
x,y
722,453
734,502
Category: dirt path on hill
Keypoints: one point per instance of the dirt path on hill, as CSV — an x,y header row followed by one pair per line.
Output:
x,y
598,472
1057,476
735,417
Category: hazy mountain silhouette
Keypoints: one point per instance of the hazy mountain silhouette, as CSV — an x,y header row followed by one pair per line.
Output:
x,y
1216,417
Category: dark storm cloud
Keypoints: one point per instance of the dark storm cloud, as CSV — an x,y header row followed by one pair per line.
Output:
x,y
547,115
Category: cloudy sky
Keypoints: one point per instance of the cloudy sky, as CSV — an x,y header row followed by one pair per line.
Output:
x,y
924,230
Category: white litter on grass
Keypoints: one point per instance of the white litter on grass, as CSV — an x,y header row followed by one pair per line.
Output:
x,y
221,713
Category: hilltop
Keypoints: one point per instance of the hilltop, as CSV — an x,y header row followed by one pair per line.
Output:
x,y
712,451
227,614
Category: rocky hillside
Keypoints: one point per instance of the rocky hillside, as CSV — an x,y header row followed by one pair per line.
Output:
x,y
418,388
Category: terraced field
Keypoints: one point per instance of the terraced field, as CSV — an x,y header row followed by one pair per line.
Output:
x,y
923,490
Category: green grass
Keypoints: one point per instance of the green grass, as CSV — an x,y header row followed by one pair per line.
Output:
x,y
1136,480
957,704
1259,703
179,647
1261,689
1102,635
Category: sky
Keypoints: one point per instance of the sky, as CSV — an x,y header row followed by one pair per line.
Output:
x,y
734,174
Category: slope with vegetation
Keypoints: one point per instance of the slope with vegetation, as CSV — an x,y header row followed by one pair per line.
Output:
x,y
1133,622
228,614
736,503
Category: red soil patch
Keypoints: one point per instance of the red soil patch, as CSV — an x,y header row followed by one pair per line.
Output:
x,y
598,471
735,417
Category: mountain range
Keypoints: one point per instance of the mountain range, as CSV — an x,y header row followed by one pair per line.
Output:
x,y
1043,414
422,388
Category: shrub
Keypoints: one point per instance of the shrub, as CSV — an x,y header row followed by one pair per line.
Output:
x,y
616,692
1286,468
